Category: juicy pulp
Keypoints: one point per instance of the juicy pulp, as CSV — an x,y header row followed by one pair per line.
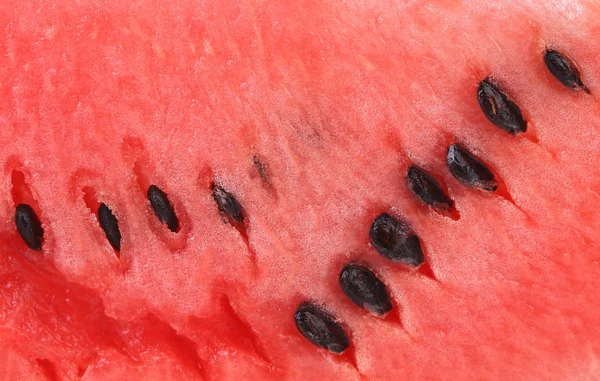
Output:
x,y
336,100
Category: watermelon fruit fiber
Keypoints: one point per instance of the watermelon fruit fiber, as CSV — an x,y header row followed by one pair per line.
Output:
x,y
262,190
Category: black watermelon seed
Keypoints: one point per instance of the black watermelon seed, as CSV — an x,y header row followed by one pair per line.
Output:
x,y
365,290
395,240
427,188
564,69
110,225
469,170
162,208
228,206
499,109
319,328
29,227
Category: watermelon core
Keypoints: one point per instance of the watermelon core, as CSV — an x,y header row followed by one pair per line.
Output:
x,y
309,114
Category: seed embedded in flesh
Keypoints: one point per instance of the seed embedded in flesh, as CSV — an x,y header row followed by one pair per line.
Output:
x,y
469,170
320,328
395,240
365,289
29,227
564,69
162,208
261,168
228,206
427,188
110,225
499,109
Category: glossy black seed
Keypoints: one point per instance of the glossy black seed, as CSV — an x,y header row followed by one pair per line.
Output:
x,y
564,69
499,109
229,207
110,225
469,170
395,240
427,188
29,227
162,208
319,328
365,290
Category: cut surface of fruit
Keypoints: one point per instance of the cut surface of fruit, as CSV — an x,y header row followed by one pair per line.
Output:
x,y
185,183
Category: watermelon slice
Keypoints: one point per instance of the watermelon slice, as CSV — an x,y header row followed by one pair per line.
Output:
x,y
299,190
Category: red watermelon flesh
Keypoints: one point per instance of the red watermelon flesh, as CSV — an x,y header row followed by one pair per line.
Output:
x,y
309,113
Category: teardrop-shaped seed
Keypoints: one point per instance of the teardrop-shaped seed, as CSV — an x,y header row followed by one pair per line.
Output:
x,y
229,207
110,225
469,170
395,240
365,289
29,227
499,109
564,69
319,328
427,188
162,208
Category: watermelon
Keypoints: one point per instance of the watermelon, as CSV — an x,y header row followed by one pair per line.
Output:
x,y
299,190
